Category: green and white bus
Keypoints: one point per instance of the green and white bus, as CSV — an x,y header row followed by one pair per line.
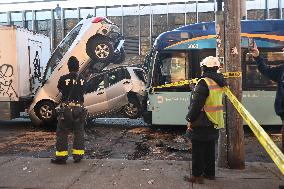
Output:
x,y
176,54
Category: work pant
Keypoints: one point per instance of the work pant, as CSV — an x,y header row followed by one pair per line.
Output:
x,y
203,158
71,119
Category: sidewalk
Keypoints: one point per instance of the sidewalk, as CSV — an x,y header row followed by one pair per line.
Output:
x,y
26,172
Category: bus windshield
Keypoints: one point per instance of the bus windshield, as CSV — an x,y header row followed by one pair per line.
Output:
x,y
170,67
60,51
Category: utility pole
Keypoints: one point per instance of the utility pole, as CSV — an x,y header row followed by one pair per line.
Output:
x,y
233,64
222,160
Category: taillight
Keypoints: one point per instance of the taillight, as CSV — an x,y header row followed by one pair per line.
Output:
x,y
97,19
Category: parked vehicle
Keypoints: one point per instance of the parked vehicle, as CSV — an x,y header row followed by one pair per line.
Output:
x,y
93,41
121,88
23,58
112,90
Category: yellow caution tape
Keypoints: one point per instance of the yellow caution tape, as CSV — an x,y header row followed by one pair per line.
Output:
x,y
273,151
194,80
232,74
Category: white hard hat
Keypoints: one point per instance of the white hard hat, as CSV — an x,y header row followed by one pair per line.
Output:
x,y
210,62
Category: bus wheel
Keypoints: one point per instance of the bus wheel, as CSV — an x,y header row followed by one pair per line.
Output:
x,y
100,49
45,111
132,109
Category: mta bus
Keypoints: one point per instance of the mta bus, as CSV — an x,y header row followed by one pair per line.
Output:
x,y
176,56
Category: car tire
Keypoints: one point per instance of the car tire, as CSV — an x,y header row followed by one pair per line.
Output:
x,y
132,109
119,57
100,49
45,111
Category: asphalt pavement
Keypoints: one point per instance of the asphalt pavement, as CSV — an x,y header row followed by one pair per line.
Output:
x,y
27,172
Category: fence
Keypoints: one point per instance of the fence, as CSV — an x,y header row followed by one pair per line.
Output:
x,y
139,23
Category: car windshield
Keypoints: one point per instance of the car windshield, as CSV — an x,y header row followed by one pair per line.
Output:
x,y
60,51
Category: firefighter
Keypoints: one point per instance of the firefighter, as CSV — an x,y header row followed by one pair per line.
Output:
x,y
204,118
71,114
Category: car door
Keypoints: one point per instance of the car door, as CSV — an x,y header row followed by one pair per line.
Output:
x,y
95,99
115,92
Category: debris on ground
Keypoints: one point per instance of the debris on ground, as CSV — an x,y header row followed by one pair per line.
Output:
x,y
119,141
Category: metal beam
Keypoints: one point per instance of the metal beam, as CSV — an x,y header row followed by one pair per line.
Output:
x,y
78,14
24,19
33,20
36,1
151,23
196,11
266,10
122,23
185,13
168,16
280,9
62,23
139,30
52,30
9,18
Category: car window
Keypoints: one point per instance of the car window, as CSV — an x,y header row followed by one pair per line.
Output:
x,y
115,76
96,83
140,74
60,51
126,74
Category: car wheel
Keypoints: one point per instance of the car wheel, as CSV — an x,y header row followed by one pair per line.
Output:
x,y
119,57
45,111
132,109
100,49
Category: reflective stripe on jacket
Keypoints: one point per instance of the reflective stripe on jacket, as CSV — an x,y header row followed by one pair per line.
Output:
x,y
213,106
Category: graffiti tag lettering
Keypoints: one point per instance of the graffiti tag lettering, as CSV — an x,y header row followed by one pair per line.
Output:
x,y
6,81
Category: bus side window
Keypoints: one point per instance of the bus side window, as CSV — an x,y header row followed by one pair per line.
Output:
x,y
253,79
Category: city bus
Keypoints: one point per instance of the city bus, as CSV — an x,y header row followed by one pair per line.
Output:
x,y
176,56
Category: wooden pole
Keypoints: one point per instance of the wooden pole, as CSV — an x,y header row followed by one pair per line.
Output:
x,y
222,160
233,64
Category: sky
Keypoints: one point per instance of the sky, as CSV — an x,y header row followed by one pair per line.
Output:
x,y
91,3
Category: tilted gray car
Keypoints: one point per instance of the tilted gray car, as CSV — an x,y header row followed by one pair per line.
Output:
x,y
119,89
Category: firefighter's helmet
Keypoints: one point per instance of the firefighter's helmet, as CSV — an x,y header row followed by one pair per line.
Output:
x,y
210,62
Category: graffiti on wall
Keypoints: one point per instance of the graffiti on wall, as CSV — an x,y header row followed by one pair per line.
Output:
x,y
6,82
37,68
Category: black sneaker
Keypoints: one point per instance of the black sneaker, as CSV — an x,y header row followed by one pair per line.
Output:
x,y
58,161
